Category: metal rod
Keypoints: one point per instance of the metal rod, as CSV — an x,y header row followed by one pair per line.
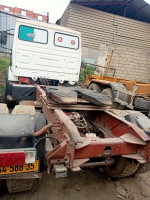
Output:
x,y
97,164
43,130
99,66
108,66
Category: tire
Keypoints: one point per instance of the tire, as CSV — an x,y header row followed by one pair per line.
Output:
x,y
95,87
1,184
142,103
40,122
143,168
10,104
8,88
108,92
122,167
115,105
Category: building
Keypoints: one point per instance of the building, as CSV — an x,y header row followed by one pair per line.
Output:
x,y
121,26
8,16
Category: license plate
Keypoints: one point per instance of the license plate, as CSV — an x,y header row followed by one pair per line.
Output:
x,y
20,168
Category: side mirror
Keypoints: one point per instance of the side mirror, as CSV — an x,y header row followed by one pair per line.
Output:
x,y
3,37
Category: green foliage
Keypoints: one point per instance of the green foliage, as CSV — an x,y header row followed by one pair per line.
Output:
x,y
86,69
4,63
2,90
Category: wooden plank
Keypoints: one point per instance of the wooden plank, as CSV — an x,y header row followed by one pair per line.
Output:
x,y
97,42
122,43
69,95
84,15
90,11
132,26
132,30
128,29
93,97
131,40
130,22
83,25
93,46
64,18
136,35
116,20
90,31
125,43
100,27
95,35
62,95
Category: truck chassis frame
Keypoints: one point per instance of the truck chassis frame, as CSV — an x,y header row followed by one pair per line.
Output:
x,y
121,138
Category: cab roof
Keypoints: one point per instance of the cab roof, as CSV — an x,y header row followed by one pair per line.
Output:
x,y
48,25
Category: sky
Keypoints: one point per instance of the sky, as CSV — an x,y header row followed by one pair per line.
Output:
x,y
54,7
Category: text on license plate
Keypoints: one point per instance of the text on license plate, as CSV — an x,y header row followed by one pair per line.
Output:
x,y
20,168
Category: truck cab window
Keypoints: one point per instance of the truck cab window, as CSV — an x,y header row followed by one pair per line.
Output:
x,y
33,34
66,41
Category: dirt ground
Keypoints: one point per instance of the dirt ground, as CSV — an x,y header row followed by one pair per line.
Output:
x,y
87,185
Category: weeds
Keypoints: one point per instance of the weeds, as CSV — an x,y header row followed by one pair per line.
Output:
x,y
4,63
86,69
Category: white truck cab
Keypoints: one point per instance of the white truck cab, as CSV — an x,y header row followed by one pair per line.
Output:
x,y
42,50
44,54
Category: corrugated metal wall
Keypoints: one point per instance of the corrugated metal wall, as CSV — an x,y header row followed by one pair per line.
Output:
x,y
64,19
99,27
7,22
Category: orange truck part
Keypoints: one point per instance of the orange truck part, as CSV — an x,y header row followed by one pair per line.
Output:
x,y
143,88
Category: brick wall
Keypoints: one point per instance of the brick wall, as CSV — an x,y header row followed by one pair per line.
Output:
x,y
22,12
130,63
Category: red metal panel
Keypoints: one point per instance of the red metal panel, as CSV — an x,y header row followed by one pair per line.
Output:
x,y
117,126
97,149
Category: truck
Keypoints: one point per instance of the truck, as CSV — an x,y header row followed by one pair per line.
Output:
x,y
55,124
123,92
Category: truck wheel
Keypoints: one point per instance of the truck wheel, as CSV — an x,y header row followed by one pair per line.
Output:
x,y
95,87
108,92
143,168
19,185
115,105
1,184
142,103
122,167
40,122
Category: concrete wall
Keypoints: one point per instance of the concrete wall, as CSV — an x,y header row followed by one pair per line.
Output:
x,y
130,63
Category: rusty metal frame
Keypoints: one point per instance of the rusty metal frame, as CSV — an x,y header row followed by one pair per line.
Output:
x,y
76,149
